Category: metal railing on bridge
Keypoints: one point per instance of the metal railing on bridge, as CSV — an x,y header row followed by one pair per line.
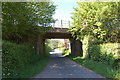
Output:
x,y
61,24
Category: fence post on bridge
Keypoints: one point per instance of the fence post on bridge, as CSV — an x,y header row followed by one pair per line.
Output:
x,y
61,23
54,24
69,23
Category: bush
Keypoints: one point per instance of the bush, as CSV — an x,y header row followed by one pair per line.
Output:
x,y
66,52
107,53
17,58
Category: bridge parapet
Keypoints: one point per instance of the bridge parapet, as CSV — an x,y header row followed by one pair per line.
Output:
x,y
61,24
54,30
59,30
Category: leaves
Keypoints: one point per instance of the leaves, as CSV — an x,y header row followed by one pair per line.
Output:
x,y
97,19
21,20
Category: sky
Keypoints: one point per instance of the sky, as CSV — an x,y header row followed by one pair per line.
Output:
x,y
64,10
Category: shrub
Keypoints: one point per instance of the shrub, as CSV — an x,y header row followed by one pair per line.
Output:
x,y
107,53
17,58
66,52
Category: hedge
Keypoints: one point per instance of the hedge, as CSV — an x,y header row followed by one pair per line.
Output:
x,y
16,58
108,53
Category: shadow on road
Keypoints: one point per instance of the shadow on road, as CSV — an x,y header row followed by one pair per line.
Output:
x,y
61,67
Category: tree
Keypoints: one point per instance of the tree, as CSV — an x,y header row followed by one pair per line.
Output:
x,y
21,20
98,19
53,43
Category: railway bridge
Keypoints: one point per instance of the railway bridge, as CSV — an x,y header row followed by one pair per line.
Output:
x,y
59,31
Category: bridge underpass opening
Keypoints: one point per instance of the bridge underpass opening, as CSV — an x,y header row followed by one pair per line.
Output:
x,y
59,33
59,46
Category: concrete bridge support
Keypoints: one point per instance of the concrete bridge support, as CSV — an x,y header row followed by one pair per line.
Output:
x,y
76,47
40,44
54,33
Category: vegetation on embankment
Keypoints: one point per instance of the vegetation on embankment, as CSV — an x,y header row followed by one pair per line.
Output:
x,y
26,20
96,25
101,68
108,53
98,20
104,59
21,61
21,26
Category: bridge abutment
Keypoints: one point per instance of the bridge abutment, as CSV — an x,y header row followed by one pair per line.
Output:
x,y
40,44
76,47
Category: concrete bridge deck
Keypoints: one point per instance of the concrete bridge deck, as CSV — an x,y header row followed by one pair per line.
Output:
x,y
60,33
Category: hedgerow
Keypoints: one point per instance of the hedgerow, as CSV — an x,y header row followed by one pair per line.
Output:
x,y
108,53
17,58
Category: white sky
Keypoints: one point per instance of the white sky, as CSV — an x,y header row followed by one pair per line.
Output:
x,y
64,9
62,40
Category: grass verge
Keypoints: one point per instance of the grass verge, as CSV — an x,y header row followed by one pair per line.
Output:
x,y
31,71
101,68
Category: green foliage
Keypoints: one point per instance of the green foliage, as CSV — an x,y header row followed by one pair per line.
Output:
x,y
22,20
98,19
21,61
103,69
53,43
106,53
43,30
47,47
85,45
66,52
98,22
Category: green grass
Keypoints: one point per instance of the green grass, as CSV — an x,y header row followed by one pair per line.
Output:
x,y
98,67
31,71
0,66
